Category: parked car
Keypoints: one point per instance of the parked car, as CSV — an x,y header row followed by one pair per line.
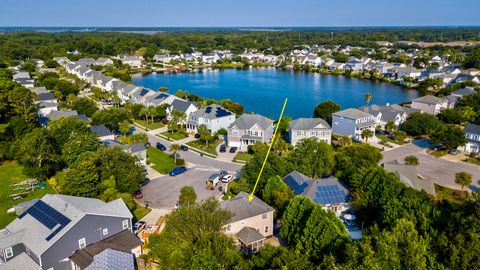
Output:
x,y
161,147
139,226
227,178
177,171
138,194
145,181
223,148
213,180
233,149
222,173
147,144
454,152
197,136
184,148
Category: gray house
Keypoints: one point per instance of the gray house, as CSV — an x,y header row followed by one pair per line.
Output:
x,y
249,129
303,128
48,232
136,149
102,132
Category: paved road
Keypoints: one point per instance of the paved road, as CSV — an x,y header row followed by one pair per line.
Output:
x,y
440,171
163,192
193,158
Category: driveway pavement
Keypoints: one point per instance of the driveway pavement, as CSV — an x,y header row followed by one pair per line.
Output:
x,y
163,192
440,171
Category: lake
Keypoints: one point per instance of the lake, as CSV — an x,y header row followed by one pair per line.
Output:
x,y
264,90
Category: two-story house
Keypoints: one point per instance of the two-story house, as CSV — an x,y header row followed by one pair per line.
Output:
x,y
183,106
137,150
102,132
384,114
48,231
303,128
352,122
249,129
213,116
251,223
472,132
430,104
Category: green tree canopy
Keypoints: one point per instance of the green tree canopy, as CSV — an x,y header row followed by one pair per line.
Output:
x,y
325,110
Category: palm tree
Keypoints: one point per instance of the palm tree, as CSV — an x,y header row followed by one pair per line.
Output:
x,y
367,97
411,160
367,133
463,179
390,127
345,141
152,111
175,148
146,113
124,127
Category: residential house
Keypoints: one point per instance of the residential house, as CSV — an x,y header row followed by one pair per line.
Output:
x,y
56,115
463,92
466,78
408,175
214,117
50,230
400,72
303,128
430,104
471,72
384,114
183,106
352,122
252,221
165,58
133,61
354,64
102,61
102,132
337,66
472,132
210,58
46,102
136,150
62,61
86,62
249,129
311,59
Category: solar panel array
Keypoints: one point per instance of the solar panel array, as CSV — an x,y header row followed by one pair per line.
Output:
x,y
48,216
161,96
208,109
330,194
221,112
143,92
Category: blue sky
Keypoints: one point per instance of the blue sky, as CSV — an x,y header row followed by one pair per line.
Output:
x,y
161,13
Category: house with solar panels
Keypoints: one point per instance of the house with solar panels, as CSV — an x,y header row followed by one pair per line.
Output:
x,y
49,231
329,192
213,116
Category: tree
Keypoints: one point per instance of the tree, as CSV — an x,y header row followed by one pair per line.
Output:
x,y
204,133
277,194
399,135
29,66
411,160
187,196
77,144
270,257
367,97
473,59
390,126
84,106
294,219
345,141
313,158
174,147
325,110
367,133
463,179
124,127
162,89
280,146
450,136
420,124
82,180
21,101
111,117
62,129
351,159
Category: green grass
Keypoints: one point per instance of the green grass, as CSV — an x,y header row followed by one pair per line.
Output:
x,y
11,172
438,153
386,138
139,212
452,195
242,156
162,162
211,148
474,161
150,125
175,136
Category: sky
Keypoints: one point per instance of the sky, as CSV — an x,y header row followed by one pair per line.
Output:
x,y
223,13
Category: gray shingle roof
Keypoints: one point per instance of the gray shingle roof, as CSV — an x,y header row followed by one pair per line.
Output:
x,y
74,208
243,209
101,130
247,121
249,235
181,105
22,261
352,113
308,124
212,111
464,91
59,114
472,128
46,96
428,99
112,259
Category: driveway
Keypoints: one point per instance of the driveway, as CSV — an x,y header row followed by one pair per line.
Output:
x,y
440,171
193,158
163,192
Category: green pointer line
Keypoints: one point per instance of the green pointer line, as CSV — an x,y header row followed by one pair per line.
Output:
x,y
268,152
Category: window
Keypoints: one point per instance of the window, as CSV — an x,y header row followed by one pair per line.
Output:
x,y
8,252
105,231
125,224
266,229
82,243
264,216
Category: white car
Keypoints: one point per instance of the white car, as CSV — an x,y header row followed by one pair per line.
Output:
x,y
227,178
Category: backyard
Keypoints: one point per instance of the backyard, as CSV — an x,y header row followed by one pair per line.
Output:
x,y
210,148
161,162
11,173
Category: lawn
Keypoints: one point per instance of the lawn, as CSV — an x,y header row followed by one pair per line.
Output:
x,y
452,195
243,156
11,172
162,162
438,153
139,212
386,138
175,136
150,125
211,148
474,161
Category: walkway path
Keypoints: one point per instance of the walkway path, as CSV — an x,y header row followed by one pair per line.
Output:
x,y
154,215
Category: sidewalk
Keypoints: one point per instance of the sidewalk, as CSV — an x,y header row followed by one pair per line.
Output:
x,y
157,131
154,215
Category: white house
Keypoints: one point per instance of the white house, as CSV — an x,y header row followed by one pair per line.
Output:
x,y
182,106
352,122
249,129
384,114
472,132
430,104
214,117
303,128
133,61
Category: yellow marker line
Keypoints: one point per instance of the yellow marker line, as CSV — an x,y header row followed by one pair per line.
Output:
x,y
268,152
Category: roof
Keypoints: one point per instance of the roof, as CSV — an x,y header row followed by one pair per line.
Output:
x,y
46,96
66,212
322,191
308,124
212,111
134,148
464,91
101,130
22,261
352,113
249,235
242,208
472,128
428,99
181,105
408,175
112,259
59,114
247,121
123,241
